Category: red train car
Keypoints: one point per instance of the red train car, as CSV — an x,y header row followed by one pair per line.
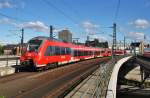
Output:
x,y
146,52
43,51
120,52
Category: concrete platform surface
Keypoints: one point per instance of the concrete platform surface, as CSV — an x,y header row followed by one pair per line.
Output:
x,y
86,88
6,71
5,56
9,63
135,75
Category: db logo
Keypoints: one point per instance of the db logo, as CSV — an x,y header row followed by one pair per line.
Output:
x,y
62,57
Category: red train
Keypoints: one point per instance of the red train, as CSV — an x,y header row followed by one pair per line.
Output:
x,y
146,52
43,52
120,52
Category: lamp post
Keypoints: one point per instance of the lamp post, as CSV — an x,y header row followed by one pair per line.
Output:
x,y
21,38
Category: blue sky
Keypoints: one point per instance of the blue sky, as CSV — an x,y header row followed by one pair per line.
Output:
x,y
81,17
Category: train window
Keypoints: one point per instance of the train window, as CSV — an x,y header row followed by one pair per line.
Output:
x,y
75,53
63,51
82,53
57,50
95,52
92,53
103,52
68,51
89,52
86,53
79,53
49,51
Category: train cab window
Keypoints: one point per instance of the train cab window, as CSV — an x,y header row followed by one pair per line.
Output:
x,y
33,45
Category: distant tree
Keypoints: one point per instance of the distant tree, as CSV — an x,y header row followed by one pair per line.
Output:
x,y
1,50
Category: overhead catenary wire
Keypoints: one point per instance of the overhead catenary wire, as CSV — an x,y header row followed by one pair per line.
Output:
x,y
13,18
63,2
77,13
117,10
50,4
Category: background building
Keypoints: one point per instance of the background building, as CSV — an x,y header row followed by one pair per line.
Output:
x,y
65,35
96,43
137,47
13,49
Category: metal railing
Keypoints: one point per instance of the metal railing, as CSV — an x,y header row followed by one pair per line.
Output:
x,y
103,79
5,61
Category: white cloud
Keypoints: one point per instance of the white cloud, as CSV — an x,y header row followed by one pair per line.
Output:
x,y
37,26
90,27
136,35
6,4
7,21
141,23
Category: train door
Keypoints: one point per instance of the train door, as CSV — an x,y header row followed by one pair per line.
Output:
x,y
72,54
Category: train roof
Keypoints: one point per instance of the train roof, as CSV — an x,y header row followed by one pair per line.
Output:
x,y
44,38
70,44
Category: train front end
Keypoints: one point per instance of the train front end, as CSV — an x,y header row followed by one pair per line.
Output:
x,y
31,53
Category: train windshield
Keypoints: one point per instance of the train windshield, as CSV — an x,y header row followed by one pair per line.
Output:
x,y
33,45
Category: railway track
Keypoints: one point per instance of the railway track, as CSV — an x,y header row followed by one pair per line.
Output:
x,y
49,84
15,76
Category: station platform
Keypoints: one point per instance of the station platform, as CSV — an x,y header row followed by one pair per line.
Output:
x,y
135,75
6,71
86,88
6,65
